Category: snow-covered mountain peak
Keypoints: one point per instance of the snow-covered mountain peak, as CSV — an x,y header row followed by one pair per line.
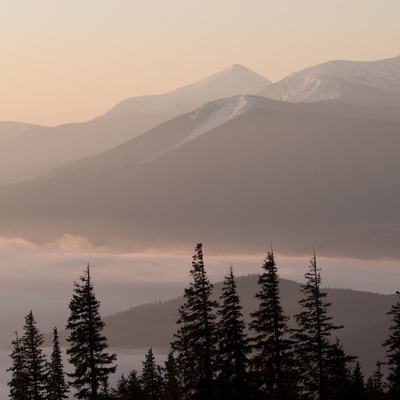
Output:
x,y
234,80
330,80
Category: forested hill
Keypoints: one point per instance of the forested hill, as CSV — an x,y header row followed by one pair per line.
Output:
x,y
363,315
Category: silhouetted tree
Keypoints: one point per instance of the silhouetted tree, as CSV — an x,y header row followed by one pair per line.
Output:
x,y
273,360
392,345
233,346
19,388
128,388
357,384
172,383
121,392
57,387
135,388
338,373
375,385
314,348
195,339
151,379
87,352
35,361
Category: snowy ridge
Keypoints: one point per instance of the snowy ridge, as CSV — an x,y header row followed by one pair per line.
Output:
x,y
214,114
219,112
331,80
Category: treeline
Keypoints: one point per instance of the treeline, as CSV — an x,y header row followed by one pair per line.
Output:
x,y
212,357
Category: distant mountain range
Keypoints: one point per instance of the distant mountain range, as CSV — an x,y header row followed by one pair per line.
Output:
x,y
363,315
236,171
37,150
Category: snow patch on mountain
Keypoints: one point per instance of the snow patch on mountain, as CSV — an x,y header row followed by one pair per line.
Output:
x,y
214,114
217,113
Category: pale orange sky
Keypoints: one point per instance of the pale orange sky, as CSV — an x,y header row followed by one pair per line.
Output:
x,y
67,61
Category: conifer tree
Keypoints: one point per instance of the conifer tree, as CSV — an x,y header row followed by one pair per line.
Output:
x,y
273,361
233,345
128,388
87,353
35,361
135,388
57,387
375,384
172,384
195,339
392,345
357,384
339,373
313,337
122,390
19,377
151,379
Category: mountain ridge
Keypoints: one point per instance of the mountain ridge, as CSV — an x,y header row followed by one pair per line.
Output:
x,y
300,86
234,80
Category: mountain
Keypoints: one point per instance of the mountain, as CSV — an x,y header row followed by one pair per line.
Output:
x,y
335,79
321,173
38,150
363,315
232,81
11,129
170,134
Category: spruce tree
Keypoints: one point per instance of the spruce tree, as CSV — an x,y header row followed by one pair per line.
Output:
x,y
135,388
339,373
375,385
195,339
151,379
122,390
172,383
272,347
57,386
35,361
19,376
128,388
357,384
233,346
392,345
315,351
87,352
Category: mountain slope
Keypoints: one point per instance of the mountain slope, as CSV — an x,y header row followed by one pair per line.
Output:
x,y
11,129
232,81
171,134
335,79
297,174
38,150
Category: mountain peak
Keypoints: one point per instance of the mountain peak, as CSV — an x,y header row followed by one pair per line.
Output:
x,y
238,68
232,81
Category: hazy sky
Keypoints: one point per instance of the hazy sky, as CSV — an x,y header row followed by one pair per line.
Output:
x,y
65,61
